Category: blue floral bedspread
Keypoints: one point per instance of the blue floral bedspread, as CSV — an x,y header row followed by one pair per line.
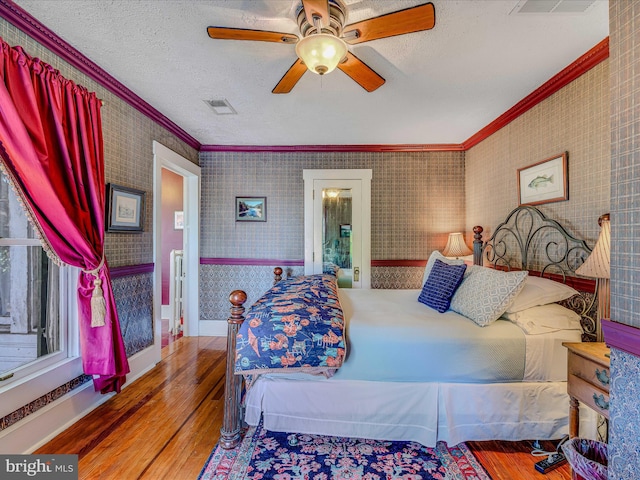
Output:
x,y
297,326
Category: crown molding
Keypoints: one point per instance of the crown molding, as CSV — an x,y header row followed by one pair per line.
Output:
x,y
32,27
582,65
450,147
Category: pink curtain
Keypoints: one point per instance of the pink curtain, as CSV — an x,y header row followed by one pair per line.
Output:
x,y
51,149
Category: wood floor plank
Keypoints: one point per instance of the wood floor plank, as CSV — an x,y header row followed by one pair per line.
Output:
x,y
513,460
165,425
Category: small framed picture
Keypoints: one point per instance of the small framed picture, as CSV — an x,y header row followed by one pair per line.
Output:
x,y
345,230
544,182
251,209
125,209
178,220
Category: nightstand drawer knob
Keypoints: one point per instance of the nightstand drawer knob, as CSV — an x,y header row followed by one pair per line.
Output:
x,y
602,376
600,401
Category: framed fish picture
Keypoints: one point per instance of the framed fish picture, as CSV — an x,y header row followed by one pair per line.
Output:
x,y
544,182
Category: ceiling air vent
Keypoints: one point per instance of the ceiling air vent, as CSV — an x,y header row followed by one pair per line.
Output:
x,y
552,6
221,106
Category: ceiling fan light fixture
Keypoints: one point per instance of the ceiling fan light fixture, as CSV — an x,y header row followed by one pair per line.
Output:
x,y
321,52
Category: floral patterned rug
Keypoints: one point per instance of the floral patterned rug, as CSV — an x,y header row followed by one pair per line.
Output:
x,y
287,456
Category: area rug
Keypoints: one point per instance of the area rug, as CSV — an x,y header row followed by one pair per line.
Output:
x,y
287,456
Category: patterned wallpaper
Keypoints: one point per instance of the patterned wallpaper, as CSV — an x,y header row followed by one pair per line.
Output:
x,y
624,25
218,281
574,119
625,161
416,200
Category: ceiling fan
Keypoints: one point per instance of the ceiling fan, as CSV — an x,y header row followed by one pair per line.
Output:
x,y
322,45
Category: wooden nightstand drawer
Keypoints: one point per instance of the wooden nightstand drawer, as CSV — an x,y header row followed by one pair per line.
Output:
x,y
590,371
594,397
587,380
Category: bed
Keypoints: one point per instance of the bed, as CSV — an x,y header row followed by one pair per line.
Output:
x,y
403,365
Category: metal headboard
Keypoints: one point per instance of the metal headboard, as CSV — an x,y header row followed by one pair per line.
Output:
x,y
528,240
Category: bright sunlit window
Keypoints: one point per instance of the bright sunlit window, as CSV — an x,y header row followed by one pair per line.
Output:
x,y
35,295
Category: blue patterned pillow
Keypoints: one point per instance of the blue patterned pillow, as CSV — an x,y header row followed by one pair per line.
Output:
x,y
441,284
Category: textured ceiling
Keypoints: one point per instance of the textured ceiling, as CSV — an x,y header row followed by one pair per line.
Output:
x,y
442,85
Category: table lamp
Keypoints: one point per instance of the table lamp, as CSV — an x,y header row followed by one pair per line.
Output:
x,y
597,266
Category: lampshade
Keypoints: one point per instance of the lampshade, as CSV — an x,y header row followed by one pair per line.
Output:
x,y
321,52
597,264
455,246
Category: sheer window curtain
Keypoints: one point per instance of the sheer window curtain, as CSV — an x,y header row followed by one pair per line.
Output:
x,y
51,149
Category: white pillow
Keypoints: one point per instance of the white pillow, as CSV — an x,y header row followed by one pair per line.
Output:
x,y
545,319
436,255
486,293
540,291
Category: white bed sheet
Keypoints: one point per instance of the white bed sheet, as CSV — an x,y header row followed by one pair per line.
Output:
x,y
458,358
420,412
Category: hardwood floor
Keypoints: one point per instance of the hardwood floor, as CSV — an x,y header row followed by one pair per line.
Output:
x,y
165,424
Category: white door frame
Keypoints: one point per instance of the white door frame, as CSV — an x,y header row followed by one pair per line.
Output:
x,y
163,157
365,176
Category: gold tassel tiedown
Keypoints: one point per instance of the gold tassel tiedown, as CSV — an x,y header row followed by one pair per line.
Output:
x,y
98,304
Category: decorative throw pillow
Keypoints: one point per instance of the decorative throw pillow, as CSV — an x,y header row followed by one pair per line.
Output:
x,y
442,283
486,293
544,319
436,255
540,291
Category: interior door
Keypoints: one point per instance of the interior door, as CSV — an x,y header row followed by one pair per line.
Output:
x,y
337,229
337,222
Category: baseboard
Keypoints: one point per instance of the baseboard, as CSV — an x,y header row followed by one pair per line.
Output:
x,y
41,426
212,328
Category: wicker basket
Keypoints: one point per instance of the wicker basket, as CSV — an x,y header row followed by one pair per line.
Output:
x,y
588,458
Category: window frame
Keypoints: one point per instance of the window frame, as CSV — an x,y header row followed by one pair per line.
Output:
x,y
51,371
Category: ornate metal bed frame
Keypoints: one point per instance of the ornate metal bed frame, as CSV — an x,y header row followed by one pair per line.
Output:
x,y
526,240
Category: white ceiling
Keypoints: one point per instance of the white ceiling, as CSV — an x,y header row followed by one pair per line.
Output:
x,y
442,85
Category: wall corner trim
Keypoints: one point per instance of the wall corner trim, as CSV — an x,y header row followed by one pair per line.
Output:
x,y
621,336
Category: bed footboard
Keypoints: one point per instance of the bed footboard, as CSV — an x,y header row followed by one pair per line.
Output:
x,y
232,421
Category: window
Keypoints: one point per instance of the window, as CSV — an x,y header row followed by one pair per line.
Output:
x,y
35,336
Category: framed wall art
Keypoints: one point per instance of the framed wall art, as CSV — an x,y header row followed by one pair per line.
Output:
x,y
544,182
125,209
251,209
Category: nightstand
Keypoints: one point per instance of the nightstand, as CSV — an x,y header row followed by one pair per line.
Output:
x,y
588,380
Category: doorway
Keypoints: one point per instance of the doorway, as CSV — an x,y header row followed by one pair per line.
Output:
x,y
338,224
167,160
172,226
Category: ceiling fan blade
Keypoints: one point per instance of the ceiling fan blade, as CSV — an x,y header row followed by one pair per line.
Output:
x,y
224,33
316,8
289,79
361,73
414,19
